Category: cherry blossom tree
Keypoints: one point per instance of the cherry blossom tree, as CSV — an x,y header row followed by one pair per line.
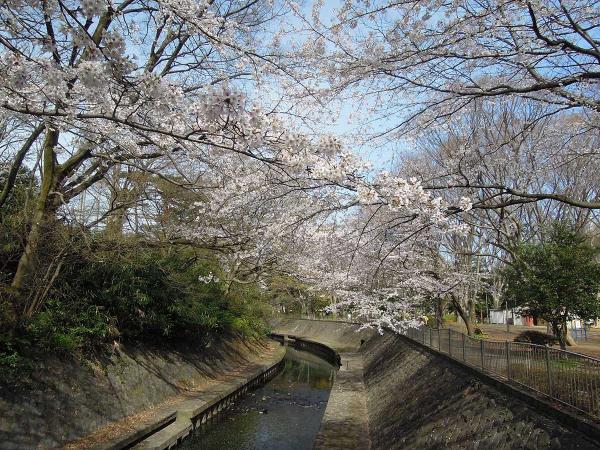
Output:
x,y
442,55
378,259
499,100
420,65
191,122
92,87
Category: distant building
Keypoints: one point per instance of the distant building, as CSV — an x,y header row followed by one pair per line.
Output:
x,y
519,317
510,316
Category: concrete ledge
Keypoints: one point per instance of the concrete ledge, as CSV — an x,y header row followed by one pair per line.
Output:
x,y
554,410
345,424
190,413
321,320
168,437
326,352
139,434
340,335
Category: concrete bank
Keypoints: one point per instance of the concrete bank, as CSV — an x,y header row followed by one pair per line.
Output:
x,y
419,400
416,399
339,335
345,422
200,407
126,396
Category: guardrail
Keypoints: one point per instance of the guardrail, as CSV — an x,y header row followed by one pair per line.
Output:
x,y
219,404
569,378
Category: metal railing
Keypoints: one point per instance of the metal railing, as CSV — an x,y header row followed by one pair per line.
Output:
x,y
564,376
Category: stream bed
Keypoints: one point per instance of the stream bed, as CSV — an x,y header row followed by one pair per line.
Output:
x,y
284,414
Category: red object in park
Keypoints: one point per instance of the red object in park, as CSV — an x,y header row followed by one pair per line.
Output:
x,y
528,321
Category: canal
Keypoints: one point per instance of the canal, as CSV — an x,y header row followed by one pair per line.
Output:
x,y
284,414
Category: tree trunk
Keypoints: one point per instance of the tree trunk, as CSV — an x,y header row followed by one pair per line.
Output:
x,y
472,310
119,199
16,165
559,328
44,210
463,315
440,305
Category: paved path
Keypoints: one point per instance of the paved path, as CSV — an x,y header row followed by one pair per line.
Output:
x,y
345,423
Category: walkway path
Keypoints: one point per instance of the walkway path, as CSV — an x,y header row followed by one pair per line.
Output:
x,y
345,422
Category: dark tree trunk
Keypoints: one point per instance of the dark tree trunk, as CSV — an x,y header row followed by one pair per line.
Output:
x,y
463,315
440,306
559,328
44,211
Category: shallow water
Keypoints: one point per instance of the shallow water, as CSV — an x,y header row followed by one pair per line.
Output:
x,y
284,414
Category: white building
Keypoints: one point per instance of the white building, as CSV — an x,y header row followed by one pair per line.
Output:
x,y
512,316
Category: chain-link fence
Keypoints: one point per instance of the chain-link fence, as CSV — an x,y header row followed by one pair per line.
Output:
x,y
570,378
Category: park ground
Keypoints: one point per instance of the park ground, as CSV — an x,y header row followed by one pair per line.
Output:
x,y
498,332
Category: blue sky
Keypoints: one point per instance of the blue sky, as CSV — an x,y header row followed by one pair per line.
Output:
x,y
383,155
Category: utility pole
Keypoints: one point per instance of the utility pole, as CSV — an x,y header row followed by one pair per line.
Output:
x,y
506,317
487,308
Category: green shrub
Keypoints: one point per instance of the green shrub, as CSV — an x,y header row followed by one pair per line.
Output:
x,y
119,291
11,363
449,318
70,326
153,293
15,363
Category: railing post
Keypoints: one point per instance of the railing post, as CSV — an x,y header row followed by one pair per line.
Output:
x,y
463,343
507,346
549,373
439,340
449,342
481,350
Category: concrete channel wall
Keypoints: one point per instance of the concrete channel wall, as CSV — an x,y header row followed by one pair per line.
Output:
x,y
316,348
339,335
70,401
416,399
192,413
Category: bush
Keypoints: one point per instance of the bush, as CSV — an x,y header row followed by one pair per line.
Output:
x,y
11,362
536,337
150,293
449,318
117,290
67,327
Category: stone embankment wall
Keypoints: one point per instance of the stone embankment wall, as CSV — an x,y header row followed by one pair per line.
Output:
x,y
419,400
69,399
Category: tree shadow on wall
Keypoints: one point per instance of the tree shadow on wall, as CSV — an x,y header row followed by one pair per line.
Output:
x,y
68,399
